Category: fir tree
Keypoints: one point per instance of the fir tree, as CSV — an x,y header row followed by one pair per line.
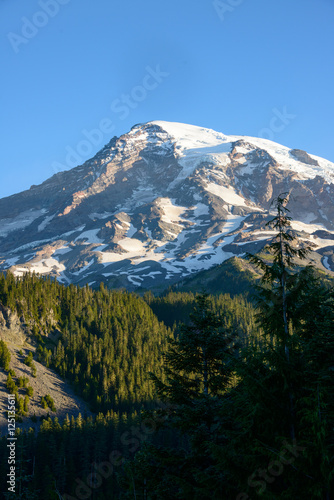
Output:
x,y
199,359
277,280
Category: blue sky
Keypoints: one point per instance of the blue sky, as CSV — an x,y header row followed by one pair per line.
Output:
x,y
77,72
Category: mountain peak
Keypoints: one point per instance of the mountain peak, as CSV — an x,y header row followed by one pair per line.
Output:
x,y
162,202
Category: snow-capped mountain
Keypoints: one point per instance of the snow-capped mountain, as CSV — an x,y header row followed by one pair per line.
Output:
x,y
162,202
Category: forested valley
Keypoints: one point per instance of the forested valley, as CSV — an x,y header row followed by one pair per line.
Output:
x,y
194,396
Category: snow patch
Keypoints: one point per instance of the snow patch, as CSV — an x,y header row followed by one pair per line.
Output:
x,y
135,280
90,236
19,222
44,266
151,274
325,263
194,143
12,261
171,211
62,250
201,209
227,194
45,222
96,215
131,231
84,268
307,228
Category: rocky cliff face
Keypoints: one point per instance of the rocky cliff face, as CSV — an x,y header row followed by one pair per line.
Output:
x,y
162,202
14,332
11,329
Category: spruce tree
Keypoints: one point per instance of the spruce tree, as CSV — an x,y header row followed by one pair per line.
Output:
x,y
198,361
286,378
277,281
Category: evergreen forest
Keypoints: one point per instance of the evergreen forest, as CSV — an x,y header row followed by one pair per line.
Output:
x,y
193,395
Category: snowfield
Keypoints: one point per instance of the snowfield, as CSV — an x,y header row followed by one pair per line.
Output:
x,y
162,202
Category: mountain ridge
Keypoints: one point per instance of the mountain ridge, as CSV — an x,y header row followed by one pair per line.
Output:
x,y
162,202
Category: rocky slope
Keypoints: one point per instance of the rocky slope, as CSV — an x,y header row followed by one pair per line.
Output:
x,y
162,202
46,381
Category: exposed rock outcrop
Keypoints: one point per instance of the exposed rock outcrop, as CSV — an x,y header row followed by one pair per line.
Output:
x,y
163,202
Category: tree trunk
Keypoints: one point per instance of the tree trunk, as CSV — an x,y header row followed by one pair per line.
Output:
x,y
286,331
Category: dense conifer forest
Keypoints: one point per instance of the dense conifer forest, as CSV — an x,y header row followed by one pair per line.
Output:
x,y
195,396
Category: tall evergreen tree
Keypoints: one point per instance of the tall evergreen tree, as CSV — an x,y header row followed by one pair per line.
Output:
x,y
277,280
287,379
198,361
199,367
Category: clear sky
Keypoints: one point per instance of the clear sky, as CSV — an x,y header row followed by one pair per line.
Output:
x,y
77,72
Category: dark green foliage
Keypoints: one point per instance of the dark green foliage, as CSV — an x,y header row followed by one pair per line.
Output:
x,y
287,376
104,342
268,432
21,405
200,365
48,402
4,355
175,307
44,403
61,457
44,355
234,276
23,381
10,384
26,403
248,404
198,361
30,391
29,361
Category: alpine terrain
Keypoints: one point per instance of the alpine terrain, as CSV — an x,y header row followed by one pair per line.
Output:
x,y
163,202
